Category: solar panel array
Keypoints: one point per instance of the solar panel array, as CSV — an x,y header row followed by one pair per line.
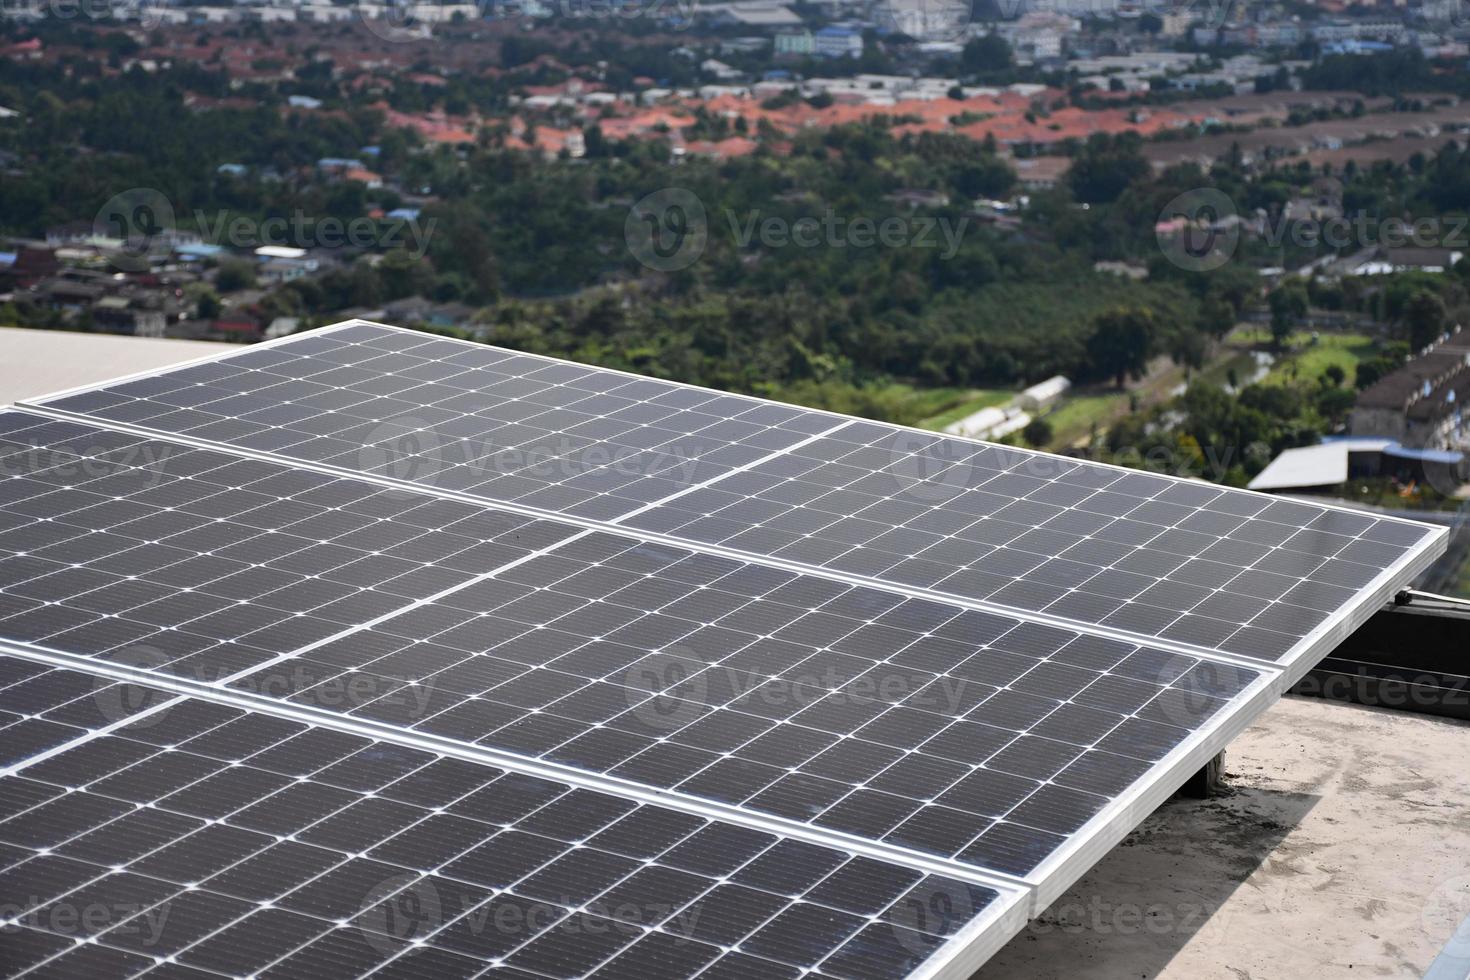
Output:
x,y
923,673
1214,568
193,839
952,731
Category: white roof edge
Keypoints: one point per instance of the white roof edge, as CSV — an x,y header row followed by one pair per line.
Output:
x,y
1309,466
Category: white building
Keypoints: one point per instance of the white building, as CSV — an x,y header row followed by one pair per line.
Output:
x,y
838,42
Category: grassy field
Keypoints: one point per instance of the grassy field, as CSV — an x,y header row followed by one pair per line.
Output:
x,y
1218,372
953,404
1074,418
1305,360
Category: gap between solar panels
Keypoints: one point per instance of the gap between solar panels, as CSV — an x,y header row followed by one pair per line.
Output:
x,y
1021,660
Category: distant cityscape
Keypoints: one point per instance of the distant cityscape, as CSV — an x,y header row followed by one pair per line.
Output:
x,y
1241,189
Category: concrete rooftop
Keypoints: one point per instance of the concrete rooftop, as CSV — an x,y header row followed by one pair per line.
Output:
x,y
1340,850
39,362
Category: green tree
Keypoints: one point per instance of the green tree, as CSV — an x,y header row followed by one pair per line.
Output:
x,y
1334,404
1121,343
1106,166
1288,307
1038,433
988,53
1424,318
233,275
208,306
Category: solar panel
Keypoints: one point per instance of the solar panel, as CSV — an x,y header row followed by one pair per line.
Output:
x,y
186,836
946,658
962,734
1169,560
